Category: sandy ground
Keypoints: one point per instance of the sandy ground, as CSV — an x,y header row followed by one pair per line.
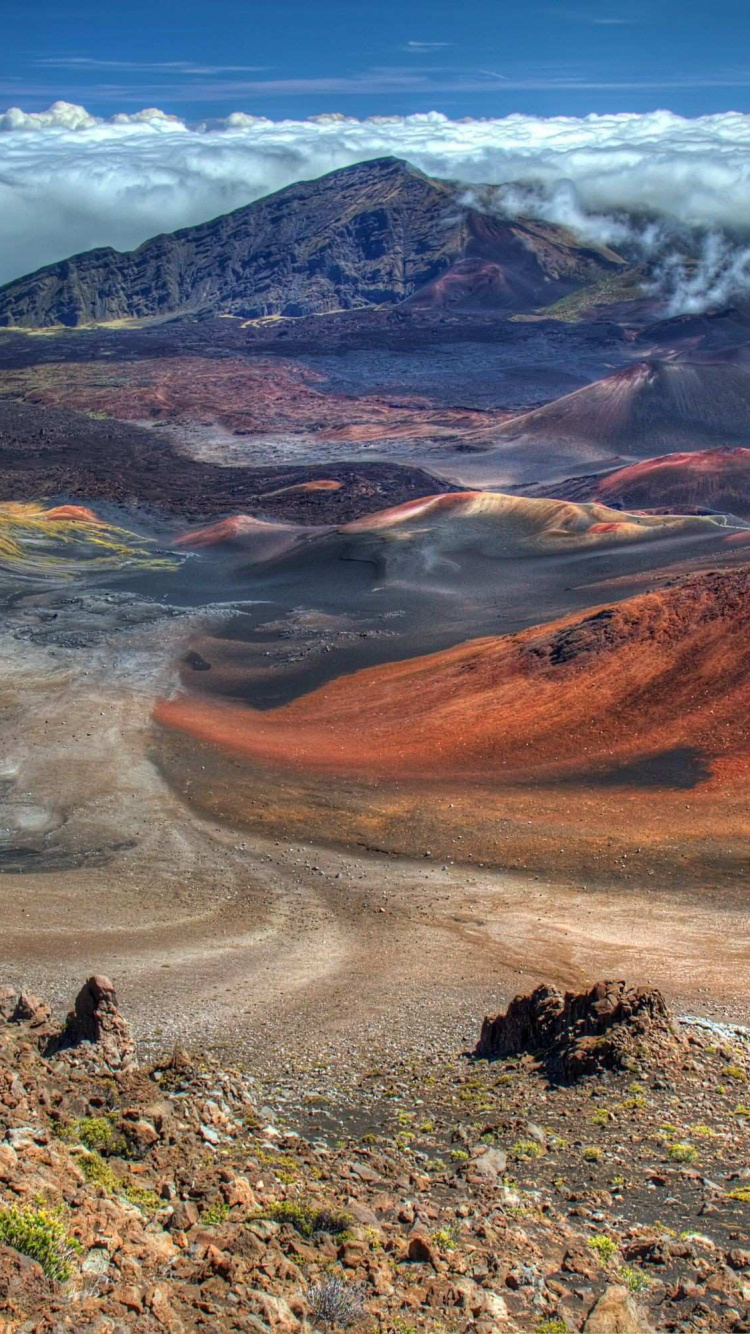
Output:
x,y
280,949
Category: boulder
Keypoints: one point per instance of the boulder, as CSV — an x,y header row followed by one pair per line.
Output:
x,y
489,1162
616,1313
579,1033
30,1009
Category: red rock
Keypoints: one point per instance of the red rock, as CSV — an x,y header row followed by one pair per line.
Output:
x,y
96,1019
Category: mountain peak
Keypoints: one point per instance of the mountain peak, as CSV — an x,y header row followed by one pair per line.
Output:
x,y
375,233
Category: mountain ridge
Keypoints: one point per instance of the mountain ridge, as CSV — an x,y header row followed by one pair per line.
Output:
x,y
374,233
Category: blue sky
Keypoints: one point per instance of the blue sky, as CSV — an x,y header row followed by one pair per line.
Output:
x,y
297,58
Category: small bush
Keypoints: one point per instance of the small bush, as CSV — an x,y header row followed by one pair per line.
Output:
x,y
336,1303
633,1103
99,1173
527,1148
555,1325
591,1154
735,1072
741,1193
145,1200
682,1153
41,1236
306,1220
98,1134
604,1247
634,1279
447,1238
215,1213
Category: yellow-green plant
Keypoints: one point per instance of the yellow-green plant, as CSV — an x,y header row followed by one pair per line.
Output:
x,y
39,1234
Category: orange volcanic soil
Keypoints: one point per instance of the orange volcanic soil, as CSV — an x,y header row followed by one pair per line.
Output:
x,y
659,673
263,539
249,397
715,478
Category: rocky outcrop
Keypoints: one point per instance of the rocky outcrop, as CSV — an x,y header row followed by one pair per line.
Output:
x,y
372,234
96,1019
23,1007
580,1033
616,1313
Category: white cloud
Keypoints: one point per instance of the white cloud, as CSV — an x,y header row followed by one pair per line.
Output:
x,y
70,181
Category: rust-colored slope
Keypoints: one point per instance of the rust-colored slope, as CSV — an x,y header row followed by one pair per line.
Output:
x,y
247,397
657,673
715,478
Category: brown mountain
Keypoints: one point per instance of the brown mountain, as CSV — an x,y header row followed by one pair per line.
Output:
x,y
377,233
650,406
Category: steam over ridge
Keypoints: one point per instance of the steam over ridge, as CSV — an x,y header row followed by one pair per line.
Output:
x,y
660,186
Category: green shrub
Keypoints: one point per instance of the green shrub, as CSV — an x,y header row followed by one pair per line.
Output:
x,y
306,1219
98,1133
682,1153
634,1279
99,1173
590,1153
604,1247
215,1213
555,1325
527,1148
41,1236
447,1238
145,1200
736,1072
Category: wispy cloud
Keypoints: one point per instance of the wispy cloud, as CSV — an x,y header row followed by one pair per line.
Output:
x,y
185,83
148,66
426,46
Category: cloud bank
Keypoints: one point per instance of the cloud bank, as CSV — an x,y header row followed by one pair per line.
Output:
x,y
70,181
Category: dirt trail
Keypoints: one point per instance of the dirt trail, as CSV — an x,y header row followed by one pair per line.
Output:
x,y
280,948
